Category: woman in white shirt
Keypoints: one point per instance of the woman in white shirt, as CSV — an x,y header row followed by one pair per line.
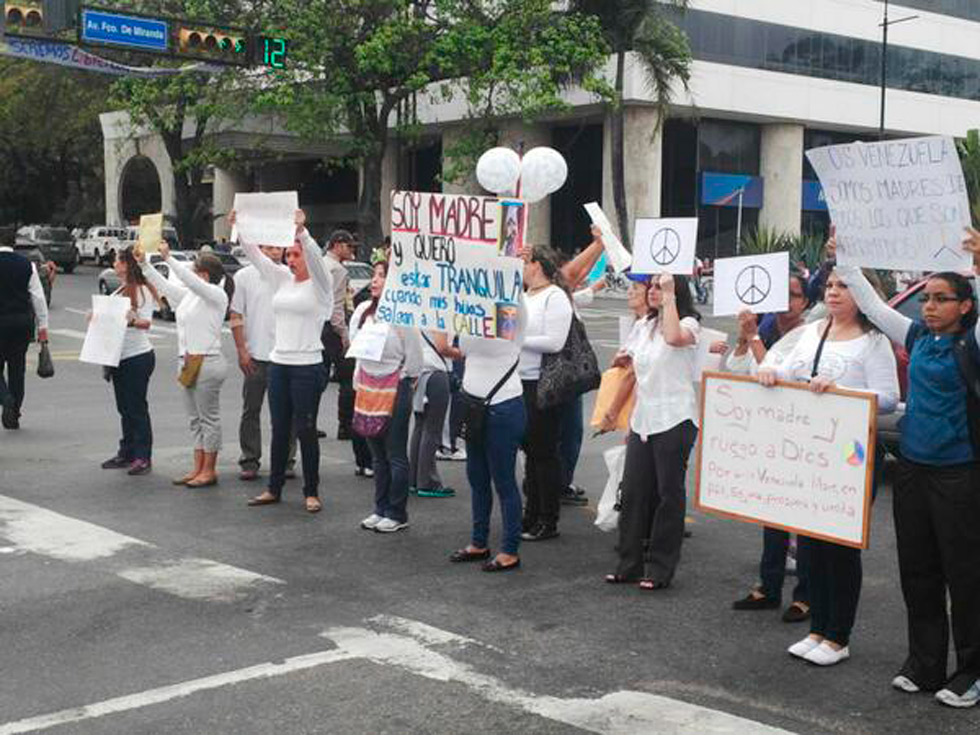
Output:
x,y
549,318
841,350
201,306
663,427
402,354
131,378
302,302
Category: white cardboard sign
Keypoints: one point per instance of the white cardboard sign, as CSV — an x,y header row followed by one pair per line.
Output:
x,y
266,219
104,338
445,272
665,245
369,342
759,283
786,457
619,256
897,204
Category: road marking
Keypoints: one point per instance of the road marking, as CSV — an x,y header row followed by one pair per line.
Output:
x,y
32,529
73,333
412,650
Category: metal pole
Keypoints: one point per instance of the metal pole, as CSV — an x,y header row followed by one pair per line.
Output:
x,y
738,228
884,72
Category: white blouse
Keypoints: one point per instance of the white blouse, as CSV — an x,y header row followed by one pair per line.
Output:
x,y
549,317
665,375
402,350
201,307
137,341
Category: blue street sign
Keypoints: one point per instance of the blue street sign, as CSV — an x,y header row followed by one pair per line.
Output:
x,y
113,29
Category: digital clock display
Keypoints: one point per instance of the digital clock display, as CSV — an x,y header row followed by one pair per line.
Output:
x,y
273,52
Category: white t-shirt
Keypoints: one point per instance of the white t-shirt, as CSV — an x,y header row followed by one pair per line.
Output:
x,y
403,348
432,361
137,341
549,317
253,300
665,375
865,363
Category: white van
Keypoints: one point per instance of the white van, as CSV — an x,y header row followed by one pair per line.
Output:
x,y
99,244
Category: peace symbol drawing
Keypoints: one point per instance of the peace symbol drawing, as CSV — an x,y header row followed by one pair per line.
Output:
x,y
665,246
753,284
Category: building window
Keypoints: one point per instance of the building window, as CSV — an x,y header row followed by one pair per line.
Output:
x,y
729,147
968,9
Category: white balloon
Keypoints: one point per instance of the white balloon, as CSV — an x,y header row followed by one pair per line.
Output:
x,y
543,172
498,170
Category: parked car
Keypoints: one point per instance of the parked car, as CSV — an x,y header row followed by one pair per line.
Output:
x,y
55,244
44,270
358,275
109,282
99,244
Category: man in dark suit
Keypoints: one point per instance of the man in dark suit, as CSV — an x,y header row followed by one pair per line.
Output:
x,y
22,306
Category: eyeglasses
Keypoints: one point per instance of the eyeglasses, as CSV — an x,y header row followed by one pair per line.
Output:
x,y
937,298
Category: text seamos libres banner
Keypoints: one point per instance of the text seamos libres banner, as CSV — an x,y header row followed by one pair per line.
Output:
x,y
445,272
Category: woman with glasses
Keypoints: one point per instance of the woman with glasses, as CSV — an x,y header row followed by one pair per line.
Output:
x,y
937,485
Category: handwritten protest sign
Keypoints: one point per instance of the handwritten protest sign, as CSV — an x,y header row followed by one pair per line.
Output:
x,y
151,232
897,204
445,272
787,458
759,283
266,219
104,338
665,245
369,343
619,256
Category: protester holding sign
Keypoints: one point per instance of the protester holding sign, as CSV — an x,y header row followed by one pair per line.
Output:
x,y
492,388
549,310
383,409
131,379
201,302
663,428
842,350
937,484
303,300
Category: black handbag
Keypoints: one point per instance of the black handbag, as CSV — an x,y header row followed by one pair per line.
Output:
x,y
568,373
45,365
473,427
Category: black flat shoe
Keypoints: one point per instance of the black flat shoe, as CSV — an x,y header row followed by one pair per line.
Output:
x,y
463,555
541,532
116,463
751,602
495,566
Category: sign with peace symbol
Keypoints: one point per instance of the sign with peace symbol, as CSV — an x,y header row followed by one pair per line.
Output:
x,y
665,246
753,285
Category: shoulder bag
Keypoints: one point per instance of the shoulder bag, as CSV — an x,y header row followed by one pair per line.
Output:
x,y
568,373
474,424
374,403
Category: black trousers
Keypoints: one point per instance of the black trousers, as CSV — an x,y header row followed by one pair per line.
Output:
x,y
937,522
654,500
543,475
13,361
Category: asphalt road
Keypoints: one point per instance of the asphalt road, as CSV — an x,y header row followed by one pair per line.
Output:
x,y
131,606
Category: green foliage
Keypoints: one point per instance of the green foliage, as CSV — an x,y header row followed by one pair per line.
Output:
x,y
969,149
806,247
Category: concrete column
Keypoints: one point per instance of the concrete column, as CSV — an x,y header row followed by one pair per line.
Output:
x,y
642,165
781,166
515,135
227,183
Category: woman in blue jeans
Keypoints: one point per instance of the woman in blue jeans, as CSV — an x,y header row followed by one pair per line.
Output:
x,y
401,356
302,303
491,368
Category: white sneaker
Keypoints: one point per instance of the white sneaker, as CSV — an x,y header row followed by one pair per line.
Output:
x,y
368,472
387,525
969,698
371,522
826,655
905,684
801,648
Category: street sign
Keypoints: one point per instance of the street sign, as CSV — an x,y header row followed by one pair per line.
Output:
x,y
129,31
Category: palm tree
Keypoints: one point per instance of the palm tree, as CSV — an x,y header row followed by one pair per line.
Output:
x,y
645,27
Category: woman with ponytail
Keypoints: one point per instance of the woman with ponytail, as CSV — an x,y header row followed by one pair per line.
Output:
x,y
131,378
201,305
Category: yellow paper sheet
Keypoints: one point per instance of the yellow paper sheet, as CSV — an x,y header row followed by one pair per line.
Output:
x,y
611,380
151,232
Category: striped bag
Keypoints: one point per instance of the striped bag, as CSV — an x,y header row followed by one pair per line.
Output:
x,y
375,402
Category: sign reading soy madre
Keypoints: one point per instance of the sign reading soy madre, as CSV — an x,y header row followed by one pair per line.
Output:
x,y
787,458
897,204
445,272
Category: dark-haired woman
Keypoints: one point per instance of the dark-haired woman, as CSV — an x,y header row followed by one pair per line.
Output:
x,y
303,301
937,484
663,427
131,378
549,318
842,350
200,310
400,364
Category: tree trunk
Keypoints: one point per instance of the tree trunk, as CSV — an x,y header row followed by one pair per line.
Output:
x,y
369,203
617,124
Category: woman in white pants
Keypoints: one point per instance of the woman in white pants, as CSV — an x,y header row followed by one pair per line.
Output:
x,y
200,309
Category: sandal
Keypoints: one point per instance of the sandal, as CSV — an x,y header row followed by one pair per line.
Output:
x,y
265,498
495,566
206,483
313,505
652,585
617,579
463,555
